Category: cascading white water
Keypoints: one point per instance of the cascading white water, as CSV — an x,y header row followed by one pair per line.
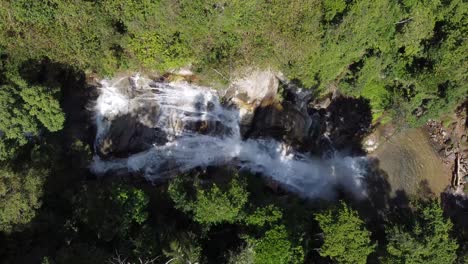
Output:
x,y
182,103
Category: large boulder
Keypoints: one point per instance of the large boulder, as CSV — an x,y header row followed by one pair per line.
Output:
x,y
284,122
257,88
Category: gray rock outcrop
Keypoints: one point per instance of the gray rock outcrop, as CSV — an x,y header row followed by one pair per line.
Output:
x,y
247,93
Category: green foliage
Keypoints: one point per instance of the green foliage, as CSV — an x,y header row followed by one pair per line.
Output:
x,y
370,83
20,197
41,103
24,110
182,193
422,18
427,241
8,148
15,122
346,240
332,8
215,206
132,202
40,13
112,213
211,205
155,52
264,215
128,11
275,247
184,249
419,44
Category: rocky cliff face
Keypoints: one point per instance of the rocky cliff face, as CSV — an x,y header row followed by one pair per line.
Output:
x,y
314,126
249,92
294,119
158,129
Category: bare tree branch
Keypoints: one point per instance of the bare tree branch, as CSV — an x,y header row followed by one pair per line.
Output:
x,y
404,21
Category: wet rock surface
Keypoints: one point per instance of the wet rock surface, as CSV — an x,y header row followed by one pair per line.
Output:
x,y
307,127
338,123
135,123
128,136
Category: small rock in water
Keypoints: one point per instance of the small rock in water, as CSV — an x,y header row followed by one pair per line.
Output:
x,y
370,144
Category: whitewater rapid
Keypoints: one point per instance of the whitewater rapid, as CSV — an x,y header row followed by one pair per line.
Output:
x,y
181,103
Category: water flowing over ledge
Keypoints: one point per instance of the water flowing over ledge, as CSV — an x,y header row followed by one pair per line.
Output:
x,y
189,127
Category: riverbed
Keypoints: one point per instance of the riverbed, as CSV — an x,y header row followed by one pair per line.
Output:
x,y
411,164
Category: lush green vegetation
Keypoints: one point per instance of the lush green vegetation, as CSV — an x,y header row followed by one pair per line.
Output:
x,y
426,239
216,217
20,197
408,57
346,239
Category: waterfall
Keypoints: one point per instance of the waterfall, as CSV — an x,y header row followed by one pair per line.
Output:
x,y
201,132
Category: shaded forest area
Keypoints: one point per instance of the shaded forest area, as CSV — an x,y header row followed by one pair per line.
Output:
x,y
407,57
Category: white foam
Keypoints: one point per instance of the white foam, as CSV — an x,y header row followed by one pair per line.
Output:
x,y
182,102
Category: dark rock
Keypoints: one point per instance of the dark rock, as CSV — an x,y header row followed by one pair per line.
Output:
x,y
320,131
207,127
127,136
286,123
298,96
348,121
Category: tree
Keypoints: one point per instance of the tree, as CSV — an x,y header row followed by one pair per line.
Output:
x,y
112,213
275,247
214,206
332,8
346,239
211,205
264,215
426,241
132,203
20,196
183,250
24,111
183,193
42,103
15,122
